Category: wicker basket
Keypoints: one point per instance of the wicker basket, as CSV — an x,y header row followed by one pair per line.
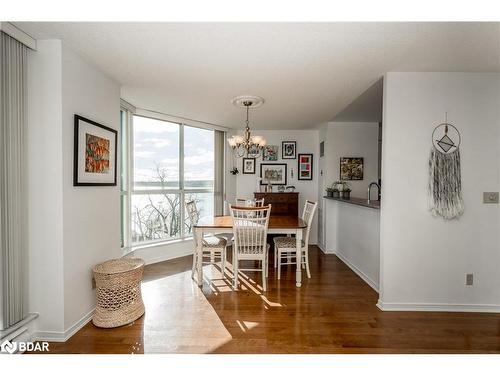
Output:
x,y
119,299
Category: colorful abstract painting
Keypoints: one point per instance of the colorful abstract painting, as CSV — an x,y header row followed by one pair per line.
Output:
x,y
305,167
270,153
96,154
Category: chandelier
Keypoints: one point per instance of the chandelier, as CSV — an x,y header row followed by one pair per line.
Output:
x,y
247,144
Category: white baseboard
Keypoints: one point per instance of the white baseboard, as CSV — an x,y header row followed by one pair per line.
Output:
x,y
322,248
442,307
54,336
365,277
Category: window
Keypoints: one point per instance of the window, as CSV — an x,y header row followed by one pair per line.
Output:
x,y
171,164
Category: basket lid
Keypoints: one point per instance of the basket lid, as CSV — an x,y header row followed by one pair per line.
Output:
x,y
119,265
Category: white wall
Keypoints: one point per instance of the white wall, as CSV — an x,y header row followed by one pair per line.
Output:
x,y
45,185
353,234
307,142
71,228
351,139
91,213
424,259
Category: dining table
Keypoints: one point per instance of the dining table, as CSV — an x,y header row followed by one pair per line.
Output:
x,y
279,224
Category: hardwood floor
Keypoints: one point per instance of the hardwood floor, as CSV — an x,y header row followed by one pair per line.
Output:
x,y
333,312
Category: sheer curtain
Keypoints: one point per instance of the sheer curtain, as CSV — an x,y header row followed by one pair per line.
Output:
x,y
219,147
13,242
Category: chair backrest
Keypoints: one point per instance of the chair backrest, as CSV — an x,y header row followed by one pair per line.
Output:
x,y
243,202
250,229
259,202
193,215
308,216
192,211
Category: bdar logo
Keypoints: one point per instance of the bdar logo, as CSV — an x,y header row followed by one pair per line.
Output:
x,y
8,347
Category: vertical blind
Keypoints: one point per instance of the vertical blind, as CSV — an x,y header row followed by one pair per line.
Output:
x,y
13,246
219,147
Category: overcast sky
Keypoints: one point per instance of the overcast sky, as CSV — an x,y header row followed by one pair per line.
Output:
x,y
158,142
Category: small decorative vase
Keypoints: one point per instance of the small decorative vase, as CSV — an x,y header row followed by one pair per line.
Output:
x,y
346,195
335,194
329,194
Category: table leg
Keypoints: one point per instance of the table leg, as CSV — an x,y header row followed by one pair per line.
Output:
x,y
198,232
298,272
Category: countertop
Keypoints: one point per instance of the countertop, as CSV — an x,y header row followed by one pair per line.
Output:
x,y
358,201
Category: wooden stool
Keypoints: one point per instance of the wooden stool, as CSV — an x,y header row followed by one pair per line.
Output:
x,y
118,292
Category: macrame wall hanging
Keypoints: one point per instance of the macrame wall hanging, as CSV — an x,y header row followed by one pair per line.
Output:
x,y
445,185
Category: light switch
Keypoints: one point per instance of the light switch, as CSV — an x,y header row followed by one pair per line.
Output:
x,y
490,197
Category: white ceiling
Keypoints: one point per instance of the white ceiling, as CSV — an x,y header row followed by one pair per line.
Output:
x,y
307,72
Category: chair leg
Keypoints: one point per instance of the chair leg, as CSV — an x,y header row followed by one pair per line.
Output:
x,y
306,255
267,263
235,271
194,264
279,265
275,256
264,278
223,261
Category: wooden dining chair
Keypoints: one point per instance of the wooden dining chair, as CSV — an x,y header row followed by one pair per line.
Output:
x,y
250,239
286,247
212,246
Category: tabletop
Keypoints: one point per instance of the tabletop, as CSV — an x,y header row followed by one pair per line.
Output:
x,y
281,222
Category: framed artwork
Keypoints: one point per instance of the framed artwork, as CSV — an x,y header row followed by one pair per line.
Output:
x,y
270,153
289,150
305,167
94,158
248,166
273,173
351,169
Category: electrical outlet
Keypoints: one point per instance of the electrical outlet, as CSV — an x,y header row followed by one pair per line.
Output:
x,y
490,197
469,279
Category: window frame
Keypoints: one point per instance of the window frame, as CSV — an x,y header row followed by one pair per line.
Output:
x,y
125,189
181,190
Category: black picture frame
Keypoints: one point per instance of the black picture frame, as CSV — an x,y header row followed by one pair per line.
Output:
x,y
283,148
243,169
350,176
263,165
299,169
77,179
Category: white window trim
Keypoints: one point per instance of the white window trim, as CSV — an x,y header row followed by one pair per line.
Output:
x,y
179,120
127,235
